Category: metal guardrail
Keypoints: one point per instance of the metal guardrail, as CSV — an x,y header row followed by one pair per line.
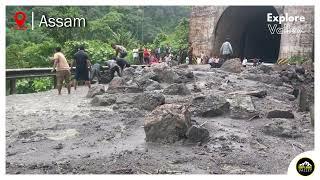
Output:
x,y
13,74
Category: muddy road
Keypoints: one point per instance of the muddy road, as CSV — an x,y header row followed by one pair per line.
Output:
x,y
51,134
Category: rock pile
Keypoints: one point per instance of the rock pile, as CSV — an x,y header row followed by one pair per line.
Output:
x,y
169,97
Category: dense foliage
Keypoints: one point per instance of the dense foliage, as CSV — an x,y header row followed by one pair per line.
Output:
x,y
130,26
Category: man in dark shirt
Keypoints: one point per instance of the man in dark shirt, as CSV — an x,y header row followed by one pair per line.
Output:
x,y
122,63
140,52
82,63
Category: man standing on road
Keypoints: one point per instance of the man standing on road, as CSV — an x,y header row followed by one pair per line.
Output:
x,y
62,69
226,50
82,63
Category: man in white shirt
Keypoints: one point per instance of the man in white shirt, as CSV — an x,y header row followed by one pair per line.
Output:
x,y
226,50
135,55
244,62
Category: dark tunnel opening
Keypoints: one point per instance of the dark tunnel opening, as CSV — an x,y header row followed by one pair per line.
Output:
x,y
247,28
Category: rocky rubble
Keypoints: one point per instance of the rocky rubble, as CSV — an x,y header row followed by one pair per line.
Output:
x,y
176,95
160,119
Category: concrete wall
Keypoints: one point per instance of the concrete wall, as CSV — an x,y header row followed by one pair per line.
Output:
x,y
298,43
204,20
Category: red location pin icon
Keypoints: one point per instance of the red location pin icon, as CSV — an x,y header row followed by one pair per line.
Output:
x,y
20,17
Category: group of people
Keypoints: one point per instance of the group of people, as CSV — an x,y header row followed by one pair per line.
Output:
x,y
147,56
84,71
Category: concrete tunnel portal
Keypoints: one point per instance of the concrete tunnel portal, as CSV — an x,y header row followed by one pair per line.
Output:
x,y
247,29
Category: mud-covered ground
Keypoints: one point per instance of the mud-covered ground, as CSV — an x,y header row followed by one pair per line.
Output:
x,y
47,133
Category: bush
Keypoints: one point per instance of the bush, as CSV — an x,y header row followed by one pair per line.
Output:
x,y
35,85
296,59
97,50
29,55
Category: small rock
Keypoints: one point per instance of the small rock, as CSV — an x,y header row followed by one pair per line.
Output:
x,y
265,68
103,100
177,89
282,128
232,65
59,146
96,90
241,107
257,93
209,106
280,114
149,100
197,134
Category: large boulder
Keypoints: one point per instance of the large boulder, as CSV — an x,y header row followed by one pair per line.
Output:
x,y
103,100
149,101
177,89
96,90
209,106
241,107
232,65
282,128
167,123
280,114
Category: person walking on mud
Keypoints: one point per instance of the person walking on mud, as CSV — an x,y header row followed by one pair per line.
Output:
x,y
62,69
226,50
82,63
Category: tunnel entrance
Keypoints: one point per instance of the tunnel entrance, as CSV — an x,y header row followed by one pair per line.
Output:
x,y
247,28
